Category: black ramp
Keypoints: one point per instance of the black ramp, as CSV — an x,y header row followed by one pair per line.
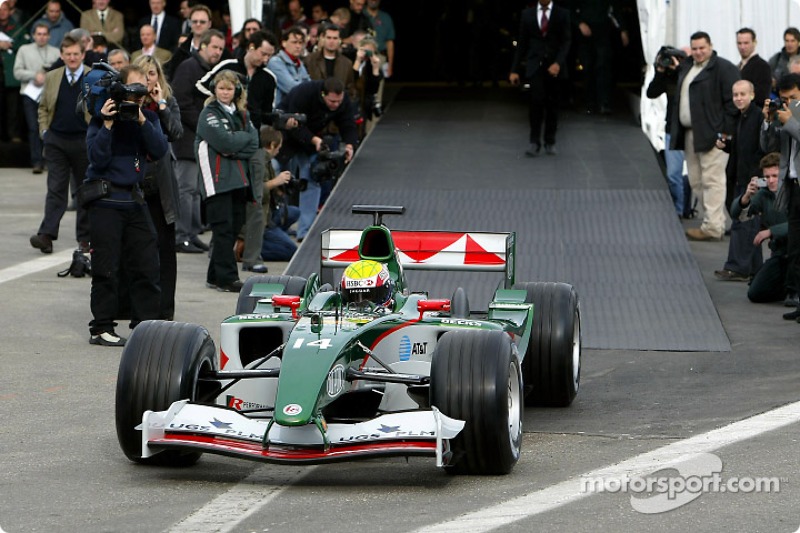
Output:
x,y
598,215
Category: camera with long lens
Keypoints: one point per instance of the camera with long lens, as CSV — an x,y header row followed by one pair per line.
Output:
x,y
279,119
665,55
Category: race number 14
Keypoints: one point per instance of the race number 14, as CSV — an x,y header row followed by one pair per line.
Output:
x,y
322,344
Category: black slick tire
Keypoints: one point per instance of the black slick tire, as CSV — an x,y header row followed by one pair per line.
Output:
x,y
551,368
476,377
160,364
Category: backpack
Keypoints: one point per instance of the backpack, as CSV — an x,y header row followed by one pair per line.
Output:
x,y
96,88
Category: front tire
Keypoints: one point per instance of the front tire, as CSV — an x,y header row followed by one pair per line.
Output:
x,y
552,365
476,377
245,304
161,364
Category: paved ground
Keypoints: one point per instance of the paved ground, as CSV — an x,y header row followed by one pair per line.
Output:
x,y
61,468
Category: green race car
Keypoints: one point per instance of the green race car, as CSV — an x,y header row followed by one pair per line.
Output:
x,y
318,370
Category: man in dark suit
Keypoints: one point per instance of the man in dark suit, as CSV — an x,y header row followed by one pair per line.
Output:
x,y
168,28
544,41
752,67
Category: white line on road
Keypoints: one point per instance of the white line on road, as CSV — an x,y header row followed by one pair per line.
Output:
x,y
225,512
571,490
35,265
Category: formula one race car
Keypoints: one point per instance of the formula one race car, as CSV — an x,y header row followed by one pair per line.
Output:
x,y
309,373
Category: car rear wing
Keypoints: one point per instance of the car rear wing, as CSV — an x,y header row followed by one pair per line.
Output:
x,y
426,250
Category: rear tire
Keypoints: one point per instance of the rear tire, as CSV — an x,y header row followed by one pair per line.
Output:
x,y
293,285
161,363
476,377
552,365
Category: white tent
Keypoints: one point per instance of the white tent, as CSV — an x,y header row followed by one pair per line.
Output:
x,y
671,22
242,10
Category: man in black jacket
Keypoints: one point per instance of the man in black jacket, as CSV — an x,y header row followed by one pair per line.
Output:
x,y
191,102
752,66
323,103
704,112
544,40
744,258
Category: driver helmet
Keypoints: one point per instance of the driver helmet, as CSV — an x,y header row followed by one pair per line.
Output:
x,y
367,281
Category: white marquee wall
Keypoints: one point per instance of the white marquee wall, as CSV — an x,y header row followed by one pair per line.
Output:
x,y
673,21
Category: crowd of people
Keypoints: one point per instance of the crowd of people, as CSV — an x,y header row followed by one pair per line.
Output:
x,y
736,126
201,129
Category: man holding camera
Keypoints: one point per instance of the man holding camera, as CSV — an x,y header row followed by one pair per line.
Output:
x,y
119,143
705,113
323,103
781,131
665,81
758,200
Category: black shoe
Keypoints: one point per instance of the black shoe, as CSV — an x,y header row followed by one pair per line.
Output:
x,y
234,286
186,247
195,241
730,275
258,269
550,149
794,315
791,300
37,169
42,242
534,150
107,338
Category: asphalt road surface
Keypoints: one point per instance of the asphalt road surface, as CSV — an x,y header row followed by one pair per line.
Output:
x,y
678,440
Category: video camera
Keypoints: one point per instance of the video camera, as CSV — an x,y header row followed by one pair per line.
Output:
x,y
103,82
665,55
120,93
330,164
279,119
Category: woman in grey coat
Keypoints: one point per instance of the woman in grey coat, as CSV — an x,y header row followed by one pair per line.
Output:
x,y
160,185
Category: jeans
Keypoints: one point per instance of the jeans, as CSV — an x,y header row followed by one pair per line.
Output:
x,y
188,224
300,166
674,160
277,245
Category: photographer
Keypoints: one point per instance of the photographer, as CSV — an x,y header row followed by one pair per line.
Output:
x,y
769,283
665,81
781,131
367,67
276,245
119,144
323,103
